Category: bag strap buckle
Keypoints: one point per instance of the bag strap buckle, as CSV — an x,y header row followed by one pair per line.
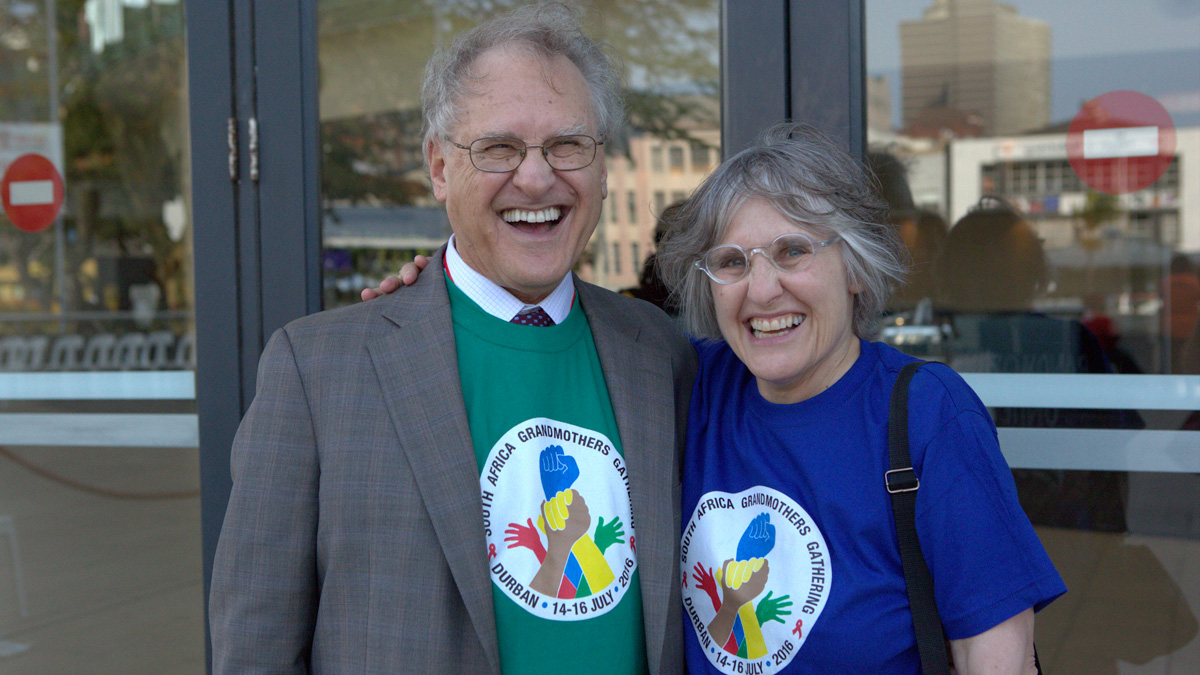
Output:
x,y
901,480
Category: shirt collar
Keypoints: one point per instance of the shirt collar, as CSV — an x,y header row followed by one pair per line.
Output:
x,y
495,300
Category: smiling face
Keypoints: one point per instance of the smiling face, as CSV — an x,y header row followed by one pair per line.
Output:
x,y
794,331
523,229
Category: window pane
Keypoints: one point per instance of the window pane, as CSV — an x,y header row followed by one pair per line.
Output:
x,y
1052,251
701,156
378,208
100,560
676,155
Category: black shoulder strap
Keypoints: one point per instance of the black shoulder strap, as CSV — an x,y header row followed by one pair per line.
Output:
x,y
902,483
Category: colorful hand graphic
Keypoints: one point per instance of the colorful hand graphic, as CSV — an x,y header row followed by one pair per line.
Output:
x,y
737,572
556,511
609,533
758,539
772,609
559,471
743,580
567,540
736,626
526,536
706,582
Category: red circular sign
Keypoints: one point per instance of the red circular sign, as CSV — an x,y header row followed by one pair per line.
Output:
x,y
31,192
1121,142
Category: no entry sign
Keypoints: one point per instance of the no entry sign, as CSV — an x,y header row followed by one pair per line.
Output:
x,y
31,192
1121,142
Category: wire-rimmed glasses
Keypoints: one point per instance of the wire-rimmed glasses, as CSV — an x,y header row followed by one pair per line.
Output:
x,y
788,253
500,155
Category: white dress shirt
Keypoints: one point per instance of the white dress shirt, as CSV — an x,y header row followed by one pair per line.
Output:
x,y
493,299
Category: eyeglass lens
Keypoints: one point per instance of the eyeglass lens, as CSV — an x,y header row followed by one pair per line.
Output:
x,y
564,153
788,253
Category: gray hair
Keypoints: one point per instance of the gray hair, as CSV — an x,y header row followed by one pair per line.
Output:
x,y
547,30
812,182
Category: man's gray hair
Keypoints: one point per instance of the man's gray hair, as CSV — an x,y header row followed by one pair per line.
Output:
x,y
812,182
547,30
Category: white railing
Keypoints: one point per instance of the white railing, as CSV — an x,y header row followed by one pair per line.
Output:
x,y
1048,448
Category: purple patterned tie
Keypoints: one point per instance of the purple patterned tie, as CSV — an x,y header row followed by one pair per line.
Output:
x,y
533,317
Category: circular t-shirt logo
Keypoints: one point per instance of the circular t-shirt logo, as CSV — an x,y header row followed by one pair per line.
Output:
x,y
560,536
756,575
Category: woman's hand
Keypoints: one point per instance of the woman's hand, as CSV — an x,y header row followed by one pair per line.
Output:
x,y
407,276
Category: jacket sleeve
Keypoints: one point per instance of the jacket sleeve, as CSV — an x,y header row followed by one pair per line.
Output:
x,y
262,606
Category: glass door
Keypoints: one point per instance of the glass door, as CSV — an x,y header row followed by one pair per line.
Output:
x,y
100,561
1041,161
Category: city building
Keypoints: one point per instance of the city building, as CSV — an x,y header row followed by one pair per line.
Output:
x,y
654,174
976,67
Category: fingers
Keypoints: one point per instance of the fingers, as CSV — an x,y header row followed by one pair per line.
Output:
x,y
760,527
551,459
388,285
733,574
407,276
738,572
559,512
516,529
556,510
552,519
409,273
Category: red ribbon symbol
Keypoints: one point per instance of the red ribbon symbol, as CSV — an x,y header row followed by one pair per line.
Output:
x,y
632,544
796,630
491,551
685,579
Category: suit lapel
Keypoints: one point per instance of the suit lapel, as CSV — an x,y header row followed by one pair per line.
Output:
x,y
418,367
640,388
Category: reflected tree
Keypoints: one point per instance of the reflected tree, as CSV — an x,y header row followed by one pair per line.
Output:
x,y
1099,209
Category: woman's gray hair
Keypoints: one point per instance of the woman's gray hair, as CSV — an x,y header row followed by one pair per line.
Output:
x,y
813,183
547,30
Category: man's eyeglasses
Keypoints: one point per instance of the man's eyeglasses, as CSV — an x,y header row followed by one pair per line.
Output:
x,y
564,153
730,263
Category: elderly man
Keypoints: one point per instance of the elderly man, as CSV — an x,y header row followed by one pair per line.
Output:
x,y
509,501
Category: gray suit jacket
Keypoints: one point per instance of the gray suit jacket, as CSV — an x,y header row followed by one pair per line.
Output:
x,y
353,540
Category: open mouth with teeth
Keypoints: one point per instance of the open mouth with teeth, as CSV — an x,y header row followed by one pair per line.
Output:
x,y
542,220
780,325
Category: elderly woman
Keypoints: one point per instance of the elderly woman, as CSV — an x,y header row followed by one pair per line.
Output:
x,y
782,260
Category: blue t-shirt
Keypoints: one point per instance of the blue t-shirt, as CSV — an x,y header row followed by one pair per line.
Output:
x,y
789,549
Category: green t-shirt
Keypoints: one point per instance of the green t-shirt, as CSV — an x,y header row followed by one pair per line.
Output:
x,y
566,593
